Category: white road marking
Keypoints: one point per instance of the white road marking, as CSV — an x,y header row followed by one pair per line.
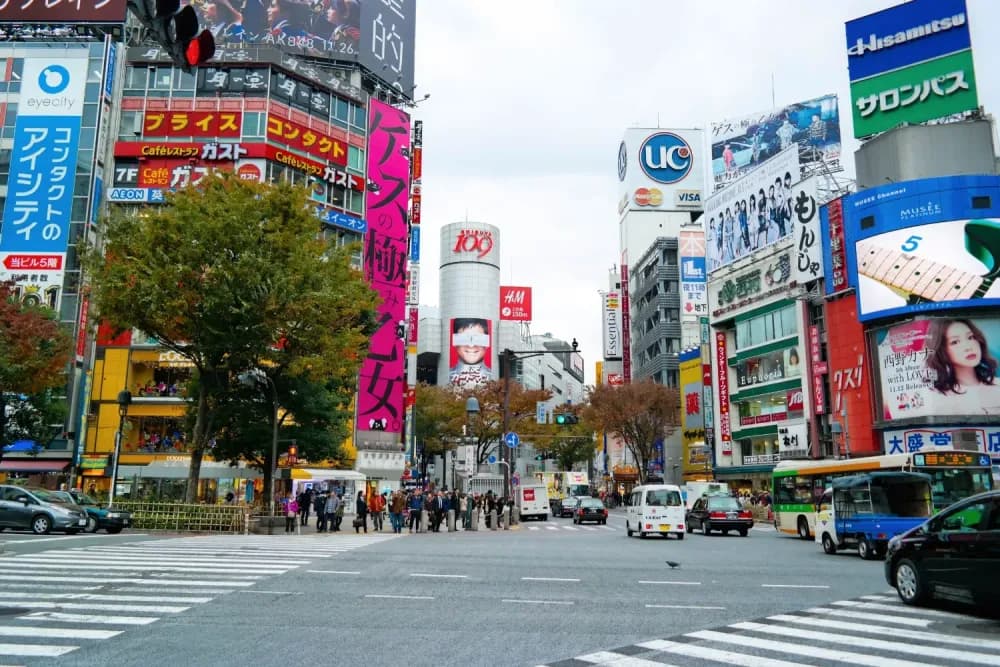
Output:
x,y
52,587
618,660
222,569
899,608
28,539
533,528
4,595
334,571
138,580
862,616
272,592
179,591
949,654
551,527
401,597
59,617
40,604
79,557
547,579
675,583
56,633
569,528
793,586
439,576
679,606
717,655
964,641
564,602
802,650
35,650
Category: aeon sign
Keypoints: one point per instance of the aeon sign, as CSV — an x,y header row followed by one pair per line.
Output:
x,y
479,241
666,158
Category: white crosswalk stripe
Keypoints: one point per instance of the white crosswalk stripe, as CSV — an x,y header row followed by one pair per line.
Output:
x,y
58,599
572,528
873,630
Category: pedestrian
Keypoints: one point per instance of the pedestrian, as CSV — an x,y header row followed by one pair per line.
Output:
x,y
415,504
304,500
319,505
291,511
330,511
377,508
339,512
361,508
396,506
463,508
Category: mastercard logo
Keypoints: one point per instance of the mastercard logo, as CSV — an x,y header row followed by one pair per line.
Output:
x,y
648,197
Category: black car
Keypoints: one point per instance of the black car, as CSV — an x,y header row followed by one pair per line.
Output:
x,y
567,506
590,509
719,513
952,556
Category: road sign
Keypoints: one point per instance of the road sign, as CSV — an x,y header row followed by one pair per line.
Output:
x,y
515,479
511,439
540,412
492,459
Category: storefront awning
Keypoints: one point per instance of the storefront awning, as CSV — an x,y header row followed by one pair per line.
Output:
x,y
209,470
33,465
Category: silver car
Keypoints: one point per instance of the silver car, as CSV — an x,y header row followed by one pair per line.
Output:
x,y
39,511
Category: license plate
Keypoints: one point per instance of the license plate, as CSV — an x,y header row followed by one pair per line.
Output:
x,y
731,515
664,526
82,522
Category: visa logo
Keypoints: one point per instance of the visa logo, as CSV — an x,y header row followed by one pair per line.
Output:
x,y
689,197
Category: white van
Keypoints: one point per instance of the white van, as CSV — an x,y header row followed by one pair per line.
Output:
x,y
533,501
655,508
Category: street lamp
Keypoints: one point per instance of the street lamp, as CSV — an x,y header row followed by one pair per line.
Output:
x,y
247,379
124,400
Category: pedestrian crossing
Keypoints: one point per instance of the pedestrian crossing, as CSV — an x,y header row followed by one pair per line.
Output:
x,y
573,528
52,602
875,630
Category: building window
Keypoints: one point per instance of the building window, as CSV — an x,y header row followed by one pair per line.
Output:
x,y
670,257
766,328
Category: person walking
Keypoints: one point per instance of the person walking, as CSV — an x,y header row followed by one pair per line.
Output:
x,y
396,506
361,508
319,506
339,512
291,512
415,505
304,500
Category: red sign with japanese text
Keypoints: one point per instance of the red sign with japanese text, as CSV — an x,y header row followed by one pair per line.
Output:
x,y
227,124
418,164
722,359
412,325
838,248
33,262
515,303
794,401
616,379
81,336
324,172
816,363
306,139
55,12
847,353
215,151
415,205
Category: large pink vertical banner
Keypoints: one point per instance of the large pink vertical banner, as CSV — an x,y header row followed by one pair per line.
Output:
x,y
382,379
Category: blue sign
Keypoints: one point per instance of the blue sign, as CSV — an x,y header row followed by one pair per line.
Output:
x,y
39,202
109,73
337,219
922,245
415,243
137,195
511,439
693,269
665,157
95,204
492,459
906,34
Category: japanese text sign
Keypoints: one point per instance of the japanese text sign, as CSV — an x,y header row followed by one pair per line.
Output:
x,y
308,140
515,303
193,124
62,11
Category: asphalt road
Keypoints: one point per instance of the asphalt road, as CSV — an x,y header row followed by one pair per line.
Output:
x,y
521,597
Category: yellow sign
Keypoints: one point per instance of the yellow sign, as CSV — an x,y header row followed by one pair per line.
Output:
x,y
696,456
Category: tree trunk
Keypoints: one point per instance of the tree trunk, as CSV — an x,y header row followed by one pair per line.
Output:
x,y
268,488
199,442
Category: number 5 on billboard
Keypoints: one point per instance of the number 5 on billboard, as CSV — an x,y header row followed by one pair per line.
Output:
x,y
911,243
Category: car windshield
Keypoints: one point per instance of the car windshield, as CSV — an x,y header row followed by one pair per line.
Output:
x,y
62,497
592,503
723,503
663,498
84,499
47,496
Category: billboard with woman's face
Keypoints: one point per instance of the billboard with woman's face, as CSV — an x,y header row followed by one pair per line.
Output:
x,y
939,367
470,351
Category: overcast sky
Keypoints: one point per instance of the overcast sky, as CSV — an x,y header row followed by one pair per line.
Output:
x,y
530,99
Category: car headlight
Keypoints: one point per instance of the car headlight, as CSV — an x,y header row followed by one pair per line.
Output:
x,y
894,543
114,515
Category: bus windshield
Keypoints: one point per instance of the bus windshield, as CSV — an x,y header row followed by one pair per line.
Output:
x,y
578,490
950,485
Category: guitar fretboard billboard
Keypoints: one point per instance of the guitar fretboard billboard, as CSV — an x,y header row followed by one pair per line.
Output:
x,y
924,245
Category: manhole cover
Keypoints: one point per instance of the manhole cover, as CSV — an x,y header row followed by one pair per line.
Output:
x,y
13,611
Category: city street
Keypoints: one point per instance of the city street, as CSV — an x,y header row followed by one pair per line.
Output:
x,y
540,594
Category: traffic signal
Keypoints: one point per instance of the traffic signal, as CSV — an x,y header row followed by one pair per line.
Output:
x,y
566,418
176,30
539,457
293,453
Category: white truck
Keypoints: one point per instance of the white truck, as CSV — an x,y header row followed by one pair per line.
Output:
x,y
533,502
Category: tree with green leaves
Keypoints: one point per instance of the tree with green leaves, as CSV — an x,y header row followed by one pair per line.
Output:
x,y
640,413
234,276
34,353
487,427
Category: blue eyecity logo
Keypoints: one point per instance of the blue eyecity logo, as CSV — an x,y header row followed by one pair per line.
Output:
x,y
53,79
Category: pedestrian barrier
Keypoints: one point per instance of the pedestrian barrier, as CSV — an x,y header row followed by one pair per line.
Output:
x,y
186,517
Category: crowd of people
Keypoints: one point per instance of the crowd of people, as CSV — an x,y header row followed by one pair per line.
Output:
x,y
405,510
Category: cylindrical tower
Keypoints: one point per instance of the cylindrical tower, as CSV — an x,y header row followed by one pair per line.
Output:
x,y
470,303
